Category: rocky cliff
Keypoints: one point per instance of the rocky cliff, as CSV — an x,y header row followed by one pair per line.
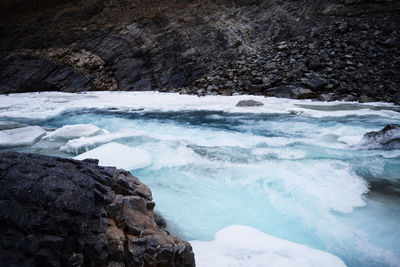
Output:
x,y
62,212
321,49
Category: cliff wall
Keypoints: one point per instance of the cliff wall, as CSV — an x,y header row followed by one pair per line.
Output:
x,y
321,49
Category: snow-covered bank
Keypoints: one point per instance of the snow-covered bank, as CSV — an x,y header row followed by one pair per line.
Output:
x,y
48,104
244,246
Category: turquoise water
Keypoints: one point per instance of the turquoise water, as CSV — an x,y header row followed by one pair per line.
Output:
x,y
298,178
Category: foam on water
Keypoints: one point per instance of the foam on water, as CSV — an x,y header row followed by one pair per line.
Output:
x,y
292,169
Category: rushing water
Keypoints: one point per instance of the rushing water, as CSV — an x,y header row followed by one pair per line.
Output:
x,y
300,178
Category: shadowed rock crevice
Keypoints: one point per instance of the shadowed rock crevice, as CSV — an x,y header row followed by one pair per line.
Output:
x,y
61,212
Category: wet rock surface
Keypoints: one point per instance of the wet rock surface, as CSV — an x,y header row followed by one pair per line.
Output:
x,y
387,138
326,50
249,103
62,212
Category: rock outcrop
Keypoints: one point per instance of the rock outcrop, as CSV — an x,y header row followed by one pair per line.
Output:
x,y
386,138
63,212
326,50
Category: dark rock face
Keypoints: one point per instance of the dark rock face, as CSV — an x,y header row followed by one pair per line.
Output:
x,y
62,212
387,138
32,74
340,49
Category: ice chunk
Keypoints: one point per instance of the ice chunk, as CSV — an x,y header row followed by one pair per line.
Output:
x,y
245,246
25,136
7,125
84,144
69,132
118,155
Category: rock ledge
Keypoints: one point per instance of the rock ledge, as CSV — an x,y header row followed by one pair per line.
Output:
x,y
63,212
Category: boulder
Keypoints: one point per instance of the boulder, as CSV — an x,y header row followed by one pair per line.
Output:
x,y
249,103
63,212
291,91
316,83
387,138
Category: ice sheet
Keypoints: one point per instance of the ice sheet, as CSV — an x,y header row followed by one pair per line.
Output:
x,y
84,144
69,132
243,246
47,104
7,125
19,137
118,155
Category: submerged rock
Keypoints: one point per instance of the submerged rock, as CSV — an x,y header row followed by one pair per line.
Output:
x,y
63,212
249,103
387,138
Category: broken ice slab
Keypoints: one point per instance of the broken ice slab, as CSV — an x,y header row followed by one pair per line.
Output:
x,y
19,137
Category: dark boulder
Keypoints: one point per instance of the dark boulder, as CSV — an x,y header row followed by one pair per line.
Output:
x,y
390,42
290,91
249,103
63,212
316,83
387,138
